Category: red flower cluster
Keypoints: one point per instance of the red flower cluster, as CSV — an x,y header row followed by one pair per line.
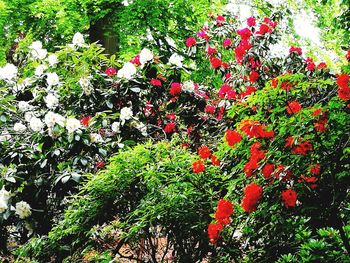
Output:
x,y
249,90
85,120
175,88
211,50
220,20
227,42
310,65
289,198
251,21
214,232
315,169
293,107
241,50
215,62
267,170
191,41
253,76
252,195
267,26
296,50
320,125
255,129
256,155
204,152
136,60
110,71
309,180
170,127
156,82
210,109
298,148
223,212
215,161
232,137
198,166
322,65
226,92
344,89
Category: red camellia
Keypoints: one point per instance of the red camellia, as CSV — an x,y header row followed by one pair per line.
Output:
x,y
198,167
256,155
170,127
263,29
85,120
175,88
110,71
232,137
204,152
156,82
344,89
322,65
255,129
191,41
223,211
136,60
252,195
244,33
251,21
209,109
215,161
293,107
253,76
315,169
267,170
296,50
302,149
289,198
215,62
214,232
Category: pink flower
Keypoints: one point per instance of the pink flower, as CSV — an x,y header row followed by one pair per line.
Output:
x,y
191,41
175,88
110,71
156,82
251,21
227,42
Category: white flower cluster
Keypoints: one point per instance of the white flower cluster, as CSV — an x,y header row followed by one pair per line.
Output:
x,y
37,50
8,72
78,39
52,79
72,125
19,127
127,71
4,199
52,118
188,86
145,56
36,124
125,114
23,210
176,60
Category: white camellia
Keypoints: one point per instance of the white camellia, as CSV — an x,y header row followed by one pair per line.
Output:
x,y
23,106
23,210
52,79
125,114
127,71
96,138
40,70
51,101
72,125
52,59
36,124
8,72
78,39
145,56
4,198
52,118
176,60
116,127
19,127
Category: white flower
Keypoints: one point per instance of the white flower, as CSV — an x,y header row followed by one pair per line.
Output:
x,y
96,138
36,45
52,118
188,86
142,128
40,70
37,50
23,106
52,59
127,71
116,127
41,53
36,124
72,125
8,72
145,56
78,39
176,60
85,83
51,101
52,79
5,136
4,198
125,114
23,209
28,116
19,127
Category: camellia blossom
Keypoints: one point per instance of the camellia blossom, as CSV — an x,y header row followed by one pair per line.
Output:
x,y
224,211
253,76
125,114
127,71
19,127
315,169
254,129
110,71
52,59
176,59
289,198
146,55
52,79
214,232
267,170
296,50
215,62
232,137
191,41
8,72
293,107
115,127
252,195
51,101
175,89
170,127
155,82
85,120
36,124
204,152
251,21
51,118
198,166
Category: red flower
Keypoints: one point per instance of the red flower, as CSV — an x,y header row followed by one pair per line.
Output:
x,y
347,56
136,60
296,50
227,42
204,152
223,211
293,107
253,76
255,129
285,85
252,195
215,161
274,82
85,120
198,167
220,19
317,112
242,48
191,41
289,141
170,116
263,29
251,21
322,65
215,62
302,149
289,198
156,82
343,81
244,33
315,169
268,169
170,127
110,71
100,165
320,125
210,109
344,93
232,137
175,88
214,232
211,50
